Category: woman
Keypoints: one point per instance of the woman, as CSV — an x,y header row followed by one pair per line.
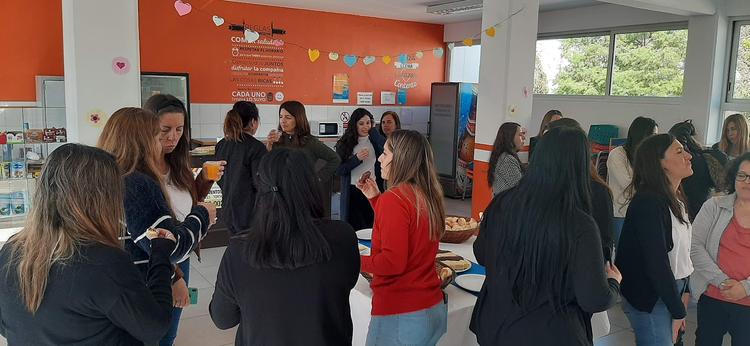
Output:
x,y
620,168
389,122
654,249
290,246
294,131
504,162
359,149
409,222
735,138
697,187
183,189
242,152
132,135
551,116
541,232
65,276
720,249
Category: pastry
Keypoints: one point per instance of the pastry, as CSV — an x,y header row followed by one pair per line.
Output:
x,y
457,265
364,177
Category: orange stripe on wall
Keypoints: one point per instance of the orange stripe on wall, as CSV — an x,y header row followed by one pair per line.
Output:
x,y
482,193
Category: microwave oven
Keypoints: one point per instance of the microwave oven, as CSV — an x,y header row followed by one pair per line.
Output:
x,y
324,129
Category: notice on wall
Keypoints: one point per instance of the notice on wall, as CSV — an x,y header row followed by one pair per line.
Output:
x,y
364,98
387,98
257,68
402,96
340,88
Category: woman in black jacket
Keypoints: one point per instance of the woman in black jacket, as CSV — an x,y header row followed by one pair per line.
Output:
x,y
66,279
541,250
654,248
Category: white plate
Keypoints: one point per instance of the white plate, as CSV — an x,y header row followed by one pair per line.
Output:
x,y
365,234
471,282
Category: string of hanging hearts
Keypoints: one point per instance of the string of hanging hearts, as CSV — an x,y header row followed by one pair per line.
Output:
x,y
185,8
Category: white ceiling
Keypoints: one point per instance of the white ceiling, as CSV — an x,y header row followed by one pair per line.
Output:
x,y
412,10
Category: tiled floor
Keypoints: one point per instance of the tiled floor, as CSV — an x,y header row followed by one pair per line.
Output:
x,y
197,329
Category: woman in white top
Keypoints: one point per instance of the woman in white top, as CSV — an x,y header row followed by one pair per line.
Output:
x,y
359,149
620,171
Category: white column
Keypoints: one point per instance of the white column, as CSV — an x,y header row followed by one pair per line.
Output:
x,y
95,33
506,80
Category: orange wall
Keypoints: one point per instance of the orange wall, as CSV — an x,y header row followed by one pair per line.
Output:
x,y
193,44
32,44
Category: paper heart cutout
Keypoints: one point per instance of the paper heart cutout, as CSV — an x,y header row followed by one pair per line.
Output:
x,y
403,58
218,21
490,31
333,56
182,8
419,55
350,60
368,59
438,52
120,65
314,54
387,59
468,42
451,45
251,36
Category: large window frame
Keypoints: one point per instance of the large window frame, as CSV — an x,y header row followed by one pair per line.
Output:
x,y
730,101
612,33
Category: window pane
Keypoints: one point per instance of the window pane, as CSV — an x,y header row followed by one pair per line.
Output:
x,y
742,65
465,64
649,63
571,66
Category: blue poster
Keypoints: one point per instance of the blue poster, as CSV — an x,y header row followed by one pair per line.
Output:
x,y
401,96
467,119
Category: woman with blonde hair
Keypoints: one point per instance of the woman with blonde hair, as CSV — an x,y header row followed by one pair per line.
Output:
x,y
66,279
132,136
735,139
409,222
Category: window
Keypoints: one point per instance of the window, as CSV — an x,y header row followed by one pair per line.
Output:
x,y
464,64
739,85
616,62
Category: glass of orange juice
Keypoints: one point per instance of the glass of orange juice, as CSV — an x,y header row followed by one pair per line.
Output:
x,y
212,170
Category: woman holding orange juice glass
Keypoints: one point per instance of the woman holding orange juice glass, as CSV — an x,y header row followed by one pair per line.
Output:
x,y
183,189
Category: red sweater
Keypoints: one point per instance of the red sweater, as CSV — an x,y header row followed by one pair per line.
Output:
x,y
402,258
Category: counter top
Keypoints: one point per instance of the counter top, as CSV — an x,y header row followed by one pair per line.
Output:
x,y
212,141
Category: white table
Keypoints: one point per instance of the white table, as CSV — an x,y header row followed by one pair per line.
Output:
x,y
460,305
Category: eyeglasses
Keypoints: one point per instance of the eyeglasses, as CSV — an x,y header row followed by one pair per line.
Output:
x,y
742,177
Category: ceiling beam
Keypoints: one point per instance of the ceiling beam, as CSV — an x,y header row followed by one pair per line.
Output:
x,y
678,7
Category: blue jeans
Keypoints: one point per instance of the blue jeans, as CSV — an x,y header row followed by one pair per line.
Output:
x,y
655,328
422,328
168,339
618,223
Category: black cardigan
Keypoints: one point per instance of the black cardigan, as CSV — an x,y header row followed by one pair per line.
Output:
x,y
642,255
603,214
98,297
348,164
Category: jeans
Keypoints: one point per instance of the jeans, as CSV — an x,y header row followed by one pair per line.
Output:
x,y
717,317
618,223
654,328
420,328
168,339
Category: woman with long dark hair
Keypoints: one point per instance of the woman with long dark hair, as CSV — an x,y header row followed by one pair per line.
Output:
x,y
541,247
504,162
294,132
65,277
183,189
620,168
242,153
551,116
287,280
359,149
654,249
389,122
735,137
409,222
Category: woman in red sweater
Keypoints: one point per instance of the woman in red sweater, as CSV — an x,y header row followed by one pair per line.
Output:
x,y
408,307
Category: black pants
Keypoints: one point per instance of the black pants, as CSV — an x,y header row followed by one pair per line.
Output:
x,y
360,211
716,318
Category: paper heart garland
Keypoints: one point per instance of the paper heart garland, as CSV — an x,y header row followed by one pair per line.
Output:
x,y
403,58
182,8
490,31
387,59
314,54
251,36
218,21
419,55
350,60
333,56
468,42
368,59
438,52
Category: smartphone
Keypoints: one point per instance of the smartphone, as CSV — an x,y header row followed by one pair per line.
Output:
x,y
193,294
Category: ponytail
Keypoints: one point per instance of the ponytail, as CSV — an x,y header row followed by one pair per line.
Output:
x,y
233,126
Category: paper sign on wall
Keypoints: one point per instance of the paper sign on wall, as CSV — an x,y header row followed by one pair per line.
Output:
x,y
402,96
387,98
364,98
340,88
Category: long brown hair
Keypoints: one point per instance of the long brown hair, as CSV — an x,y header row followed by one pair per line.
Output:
x,y
242,114
179,159
413,164
504,143
743,141
131,136
302,131
547,119
79,200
